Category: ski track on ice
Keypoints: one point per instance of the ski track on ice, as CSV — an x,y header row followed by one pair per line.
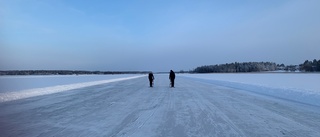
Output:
x,y
131,108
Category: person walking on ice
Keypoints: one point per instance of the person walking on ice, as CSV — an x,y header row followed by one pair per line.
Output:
x,y
172,76
151,78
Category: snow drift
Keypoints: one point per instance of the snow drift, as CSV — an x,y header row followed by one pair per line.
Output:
x,y
10,96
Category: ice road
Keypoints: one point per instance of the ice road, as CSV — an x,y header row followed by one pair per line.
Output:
x,y
131,108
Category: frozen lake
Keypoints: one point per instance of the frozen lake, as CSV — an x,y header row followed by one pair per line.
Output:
x,y
199,105
295,81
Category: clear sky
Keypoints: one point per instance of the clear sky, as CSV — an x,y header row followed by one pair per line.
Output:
x,y
155,35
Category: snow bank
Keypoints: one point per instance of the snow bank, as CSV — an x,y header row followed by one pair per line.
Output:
x,y
17,83
301,87
10,96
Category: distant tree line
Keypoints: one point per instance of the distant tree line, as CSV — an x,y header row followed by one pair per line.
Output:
x,y
66,72
237,67
310,66
307,66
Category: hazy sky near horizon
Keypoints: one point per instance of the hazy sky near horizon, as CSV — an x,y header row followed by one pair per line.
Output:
x,y
155,35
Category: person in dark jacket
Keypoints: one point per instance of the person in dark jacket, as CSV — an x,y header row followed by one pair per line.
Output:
x,y
151,78
172,76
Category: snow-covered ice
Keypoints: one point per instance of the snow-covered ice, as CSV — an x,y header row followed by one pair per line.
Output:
x,y
9,96
17,83
302,87
198,106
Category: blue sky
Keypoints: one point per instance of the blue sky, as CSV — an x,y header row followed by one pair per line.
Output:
x,y
155,35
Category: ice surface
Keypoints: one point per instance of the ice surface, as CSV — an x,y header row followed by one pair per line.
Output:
x,y
196,107
302,87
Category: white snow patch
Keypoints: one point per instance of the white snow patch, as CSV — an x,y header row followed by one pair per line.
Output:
x,y
18,83
10,96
